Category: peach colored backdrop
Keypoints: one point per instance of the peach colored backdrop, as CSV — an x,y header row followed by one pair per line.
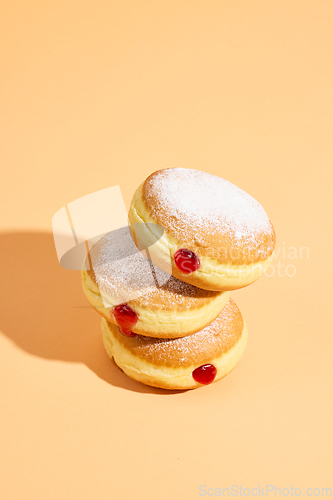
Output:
x,y
96,94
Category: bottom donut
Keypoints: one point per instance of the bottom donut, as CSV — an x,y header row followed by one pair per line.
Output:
x,y
182,363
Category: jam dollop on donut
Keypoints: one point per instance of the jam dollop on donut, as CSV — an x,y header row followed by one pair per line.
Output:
x,y
186,261
205,374
126,318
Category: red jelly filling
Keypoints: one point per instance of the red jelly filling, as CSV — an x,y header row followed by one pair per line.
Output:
x,y
186,261
205,374
126,318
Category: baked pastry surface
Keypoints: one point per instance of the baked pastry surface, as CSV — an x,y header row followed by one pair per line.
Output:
x,y
170,363
115,272
227,229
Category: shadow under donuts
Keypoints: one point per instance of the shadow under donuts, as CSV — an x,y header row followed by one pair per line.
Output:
x,y
45,312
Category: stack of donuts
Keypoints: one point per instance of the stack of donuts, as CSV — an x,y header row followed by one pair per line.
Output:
x,y
162,285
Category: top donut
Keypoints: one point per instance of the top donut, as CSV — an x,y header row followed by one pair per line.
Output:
x,y
216,236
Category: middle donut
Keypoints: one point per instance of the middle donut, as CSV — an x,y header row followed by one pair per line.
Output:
x,y
129,291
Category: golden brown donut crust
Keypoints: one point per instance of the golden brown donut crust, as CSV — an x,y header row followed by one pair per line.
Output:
x,y
199,348
107,277
115,272
202,237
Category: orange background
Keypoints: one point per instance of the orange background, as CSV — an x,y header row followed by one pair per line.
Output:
x,y
96,94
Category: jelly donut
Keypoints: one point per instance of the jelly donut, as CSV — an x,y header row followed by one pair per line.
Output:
x,y
129,291
216,236
183,363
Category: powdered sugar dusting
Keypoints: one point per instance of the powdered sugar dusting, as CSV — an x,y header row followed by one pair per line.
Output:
x,y
210,342
207,202
123,273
